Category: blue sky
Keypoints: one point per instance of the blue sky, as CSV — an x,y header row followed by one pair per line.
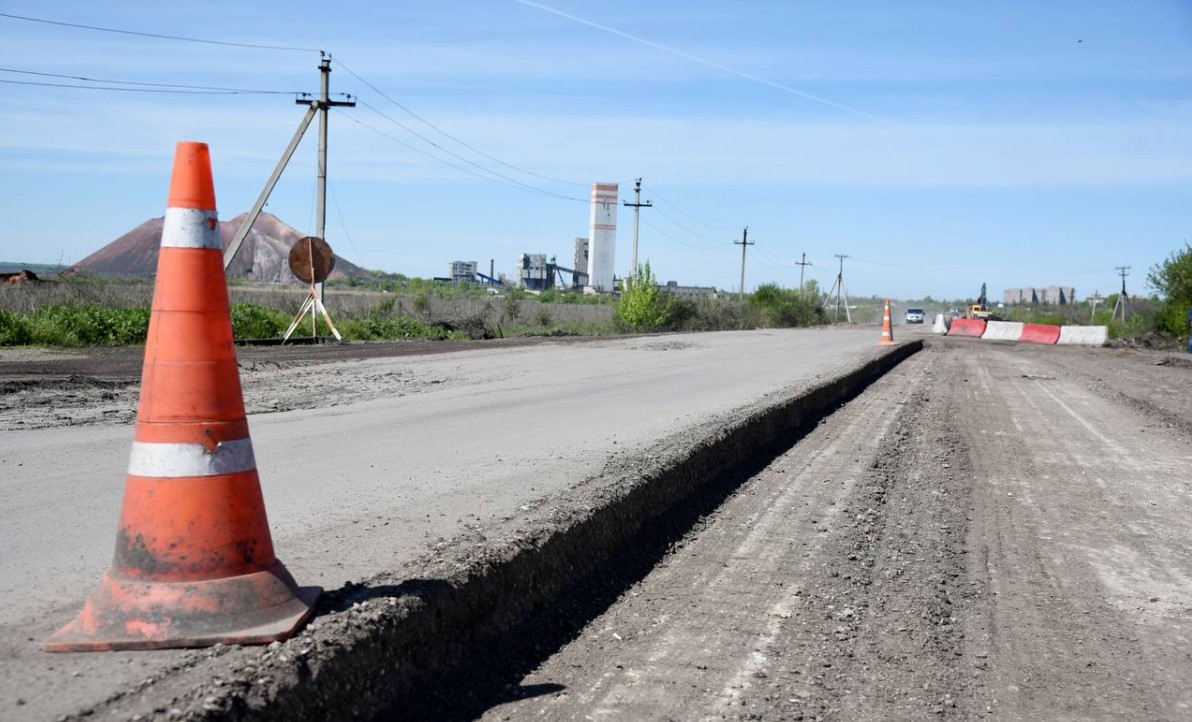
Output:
x,y
937,144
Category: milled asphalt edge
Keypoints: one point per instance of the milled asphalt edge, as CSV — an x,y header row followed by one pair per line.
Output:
x,y
375,643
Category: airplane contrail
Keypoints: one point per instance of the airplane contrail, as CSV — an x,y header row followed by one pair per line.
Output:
x,y
701,61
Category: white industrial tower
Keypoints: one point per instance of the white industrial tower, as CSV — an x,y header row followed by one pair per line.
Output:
x,y
603,234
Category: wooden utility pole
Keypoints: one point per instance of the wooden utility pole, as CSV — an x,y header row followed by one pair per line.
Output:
x,y
637,206
743,243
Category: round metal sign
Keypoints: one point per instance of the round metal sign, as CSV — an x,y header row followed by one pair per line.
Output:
x,y
311,260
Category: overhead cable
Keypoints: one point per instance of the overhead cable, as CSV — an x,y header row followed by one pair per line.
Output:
x,y
153,85
439,130
225,43
470,162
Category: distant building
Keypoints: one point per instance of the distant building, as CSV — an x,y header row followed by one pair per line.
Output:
x,y
534,273
673,287
1049,296
602,222
582,257
463,271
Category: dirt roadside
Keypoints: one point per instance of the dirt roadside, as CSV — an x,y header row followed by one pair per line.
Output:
x,y
989,532
43,388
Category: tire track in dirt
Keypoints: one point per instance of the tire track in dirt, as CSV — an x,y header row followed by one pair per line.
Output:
x,y
1083,534
763,611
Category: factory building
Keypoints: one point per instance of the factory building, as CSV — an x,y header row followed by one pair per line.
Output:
x,y
534,273
463,271
673,287
602,234
581,256
1048,296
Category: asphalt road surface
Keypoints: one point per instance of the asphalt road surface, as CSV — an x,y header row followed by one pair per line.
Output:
x,y
377,462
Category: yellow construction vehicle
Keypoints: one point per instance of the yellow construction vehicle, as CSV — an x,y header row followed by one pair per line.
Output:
x,y
980,309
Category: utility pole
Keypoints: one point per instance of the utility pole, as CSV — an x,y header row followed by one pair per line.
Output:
x,y
320,105
1123,271
1094,299
802,266
324,103
637,206
743,243
838,287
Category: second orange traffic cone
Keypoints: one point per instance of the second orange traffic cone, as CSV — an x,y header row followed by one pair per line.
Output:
x,y
194,563
887,331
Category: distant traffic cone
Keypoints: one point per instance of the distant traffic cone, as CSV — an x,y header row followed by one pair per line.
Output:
x,y
194,563
887,332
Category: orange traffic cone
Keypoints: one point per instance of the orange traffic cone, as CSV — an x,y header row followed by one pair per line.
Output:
x,y
194,561
887,332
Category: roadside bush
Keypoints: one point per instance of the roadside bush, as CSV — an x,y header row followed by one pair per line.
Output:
x,y
252,321
373,329
1173,280
643,307
785,308
75,325
14,329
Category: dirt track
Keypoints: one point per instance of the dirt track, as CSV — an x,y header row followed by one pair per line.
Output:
x,y
991,531
982,534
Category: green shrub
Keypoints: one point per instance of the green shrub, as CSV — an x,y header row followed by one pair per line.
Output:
x,y
784,308
252,321
643,307
372,329
14,329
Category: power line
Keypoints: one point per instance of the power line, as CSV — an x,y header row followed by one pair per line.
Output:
x,y
130,90
681,242
525,186
181,38
689,230
420,151
152,85
444,133
654,191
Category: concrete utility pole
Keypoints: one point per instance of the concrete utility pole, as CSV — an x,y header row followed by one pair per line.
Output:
x,y
1123,271
802,266
320,105
637,206
838,287
324,103
743,243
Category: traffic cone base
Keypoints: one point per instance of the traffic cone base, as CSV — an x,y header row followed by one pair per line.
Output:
x,y
256,608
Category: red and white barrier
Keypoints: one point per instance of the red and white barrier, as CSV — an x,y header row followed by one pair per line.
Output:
x,y
1083,335
967,327
1039,333
1002,331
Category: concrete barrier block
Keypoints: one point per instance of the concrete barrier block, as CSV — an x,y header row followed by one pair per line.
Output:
x,y
969,327
1083,335
1002,331
1039,333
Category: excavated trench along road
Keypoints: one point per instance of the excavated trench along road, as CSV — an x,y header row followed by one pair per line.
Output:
x,y
974,537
